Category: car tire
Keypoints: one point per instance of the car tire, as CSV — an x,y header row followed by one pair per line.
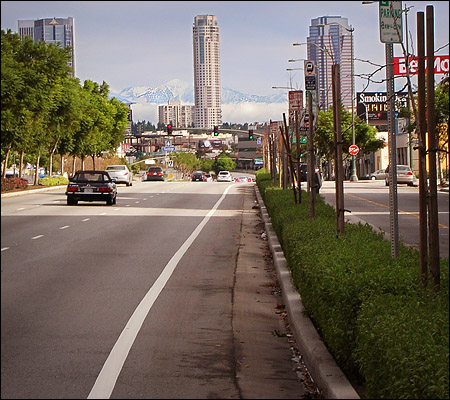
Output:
x,y
110,201
386,182
71,202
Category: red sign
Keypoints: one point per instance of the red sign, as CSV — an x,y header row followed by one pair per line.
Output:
x,y
353,149
440,65
295,101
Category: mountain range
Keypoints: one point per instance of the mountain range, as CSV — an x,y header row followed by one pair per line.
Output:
x,y
184,92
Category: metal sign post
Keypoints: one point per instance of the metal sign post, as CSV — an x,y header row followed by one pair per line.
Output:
x,y
391,31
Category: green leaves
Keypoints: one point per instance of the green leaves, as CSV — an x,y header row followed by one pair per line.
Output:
x,y
45,108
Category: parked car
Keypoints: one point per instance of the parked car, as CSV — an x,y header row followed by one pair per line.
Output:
x,y
198,176
379,174
155,174
209,178
121,174
404,175
224,176
87,185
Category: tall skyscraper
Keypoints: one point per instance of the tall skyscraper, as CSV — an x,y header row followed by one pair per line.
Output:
x,y
330,41
207,111
59,31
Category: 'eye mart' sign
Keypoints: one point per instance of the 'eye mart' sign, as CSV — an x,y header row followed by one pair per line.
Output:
x,y
440,65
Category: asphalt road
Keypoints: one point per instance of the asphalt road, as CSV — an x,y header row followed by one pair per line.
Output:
x,y
369,200
139,300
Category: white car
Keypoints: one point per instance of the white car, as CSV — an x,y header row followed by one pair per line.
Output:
x,y
224,176
120,173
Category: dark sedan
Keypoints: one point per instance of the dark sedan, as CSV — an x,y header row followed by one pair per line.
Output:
x,y
155,174
91,186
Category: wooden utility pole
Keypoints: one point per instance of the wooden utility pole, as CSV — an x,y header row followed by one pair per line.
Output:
x,y
432,150
297,144
339,176
421,133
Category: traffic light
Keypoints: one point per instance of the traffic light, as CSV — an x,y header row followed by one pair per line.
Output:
x,y
169,129
216,130
250,134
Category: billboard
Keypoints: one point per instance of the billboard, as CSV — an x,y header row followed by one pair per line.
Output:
x,y
373,106
440,65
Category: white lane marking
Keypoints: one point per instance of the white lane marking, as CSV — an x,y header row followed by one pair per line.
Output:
x,y
116,209
103,213
86,219
64,227
20,209
37,237
5,248
107,378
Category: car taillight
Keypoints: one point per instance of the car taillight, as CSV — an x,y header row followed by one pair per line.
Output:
x,y
160,173
126,173
409,173
104,189
72,189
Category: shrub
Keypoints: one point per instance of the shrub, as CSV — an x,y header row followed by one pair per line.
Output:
x,y
346,281
13,183
53,181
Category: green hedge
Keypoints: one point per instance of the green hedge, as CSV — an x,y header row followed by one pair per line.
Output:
x,y
53,181
348,283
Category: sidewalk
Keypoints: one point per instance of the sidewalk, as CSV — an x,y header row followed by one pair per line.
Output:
x,y
321,365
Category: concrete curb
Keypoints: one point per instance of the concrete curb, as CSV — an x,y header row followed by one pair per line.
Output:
x,y
320,363
44,189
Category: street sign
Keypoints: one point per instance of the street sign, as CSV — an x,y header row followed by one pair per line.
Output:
x,y
303,139
295,101
310,75
353,149
168,149
391,27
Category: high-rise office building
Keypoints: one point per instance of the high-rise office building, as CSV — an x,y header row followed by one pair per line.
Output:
x,y
330,41
207,111
179,116
59,31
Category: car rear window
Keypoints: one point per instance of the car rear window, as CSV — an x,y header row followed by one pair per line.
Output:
x,y
91,177
155,169
115,168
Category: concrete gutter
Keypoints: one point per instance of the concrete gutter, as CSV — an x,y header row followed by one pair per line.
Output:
x,y
319,361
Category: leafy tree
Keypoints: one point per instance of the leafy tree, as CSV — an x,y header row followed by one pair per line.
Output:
x,y
365,135
223,163
185,162
442,121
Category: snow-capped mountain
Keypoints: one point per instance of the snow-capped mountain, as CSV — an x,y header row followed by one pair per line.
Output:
x,y
184,92
236,106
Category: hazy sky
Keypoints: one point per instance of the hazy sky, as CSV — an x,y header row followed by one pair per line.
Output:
x,y
148,43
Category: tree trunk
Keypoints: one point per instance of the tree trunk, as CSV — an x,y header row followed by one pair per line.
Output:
x,y
74,165
36,172
22,153
5,163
